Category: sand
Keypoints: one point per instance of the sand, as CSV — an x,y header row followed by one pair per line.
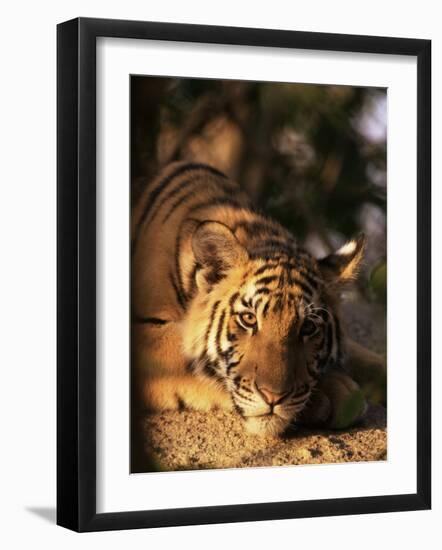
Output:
x,y
188,440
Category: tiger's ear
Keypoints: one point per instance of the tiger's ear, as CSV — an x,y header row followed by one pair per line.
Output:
x,y
216,251
343,265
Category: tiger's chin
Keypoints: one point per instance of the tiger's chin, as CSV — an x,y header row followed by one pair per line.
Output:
x,y
267,425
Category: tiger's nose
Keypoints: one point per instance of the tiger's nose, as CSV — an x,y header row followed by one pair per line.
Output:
x,y
273,398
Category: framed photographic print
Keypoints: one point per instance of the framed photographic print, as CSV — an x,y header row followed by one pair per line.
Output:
x,y
230,346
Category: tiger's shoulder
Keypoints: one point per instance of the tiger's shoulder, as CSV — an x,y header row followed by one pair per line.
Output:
x,y
182,196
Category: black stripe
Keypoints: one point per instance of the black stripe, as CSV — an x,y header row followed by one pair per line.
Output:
x,y
218,201
209,327
314,283
191,367
264,267
243,387
266,280
178,295
263,290
177,204
231,366
278,304
190,182
273,247
323,313
265,309
172,192
227,187
303,272
238,409
210,369
164,183
178,273
219,332
233,299
245,397
297,281
192,280
299,400
258,227
228,353
149,320
180,402
288,265
267,254
245,277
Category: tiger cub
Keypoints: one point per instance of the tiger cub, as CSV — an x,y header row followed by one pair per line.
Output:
x,y
229,311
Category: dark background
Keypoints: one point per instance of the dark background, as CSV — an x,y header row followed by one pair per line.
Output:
x,y
312,156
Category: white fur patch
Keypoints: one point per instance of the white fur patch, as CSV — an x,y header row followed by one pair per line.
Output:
x,y
348,249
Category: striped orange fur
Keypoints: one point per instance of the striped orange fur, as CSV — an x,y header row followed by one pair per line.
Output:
x,y
228,310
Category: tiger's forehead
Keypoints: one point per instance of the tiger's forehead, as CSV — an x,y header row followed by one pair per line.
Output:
x,y
298,278
281,290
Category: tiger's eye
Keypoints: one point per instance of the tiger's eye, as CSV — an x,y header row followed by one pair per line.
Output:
x,y
308,328
248,319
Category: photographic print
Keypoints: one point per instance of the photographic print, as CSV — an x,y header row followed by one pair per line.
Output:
x,y
258,274
222,260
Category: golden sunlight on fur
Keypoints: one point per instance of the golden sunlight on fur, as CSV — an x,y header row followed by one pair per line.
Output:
x,y
230,312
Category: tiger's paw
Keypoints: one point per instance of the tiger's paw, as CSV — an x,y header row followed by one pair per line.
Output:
x,y
369,369
338,403
175,393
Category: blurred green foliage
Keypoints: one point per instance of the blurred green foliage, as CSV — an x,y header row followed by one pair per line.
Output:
x,y
349,410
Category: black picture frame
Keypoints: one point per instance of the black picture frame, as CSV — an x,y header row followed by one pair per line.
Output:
x,y
76,274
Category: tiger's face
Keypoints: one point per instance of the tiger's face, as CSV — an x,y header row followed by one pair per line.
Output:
x,y
263,326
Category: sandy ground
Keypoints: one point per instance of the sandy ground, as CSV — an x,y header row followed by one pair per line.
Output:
x,y
188,440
